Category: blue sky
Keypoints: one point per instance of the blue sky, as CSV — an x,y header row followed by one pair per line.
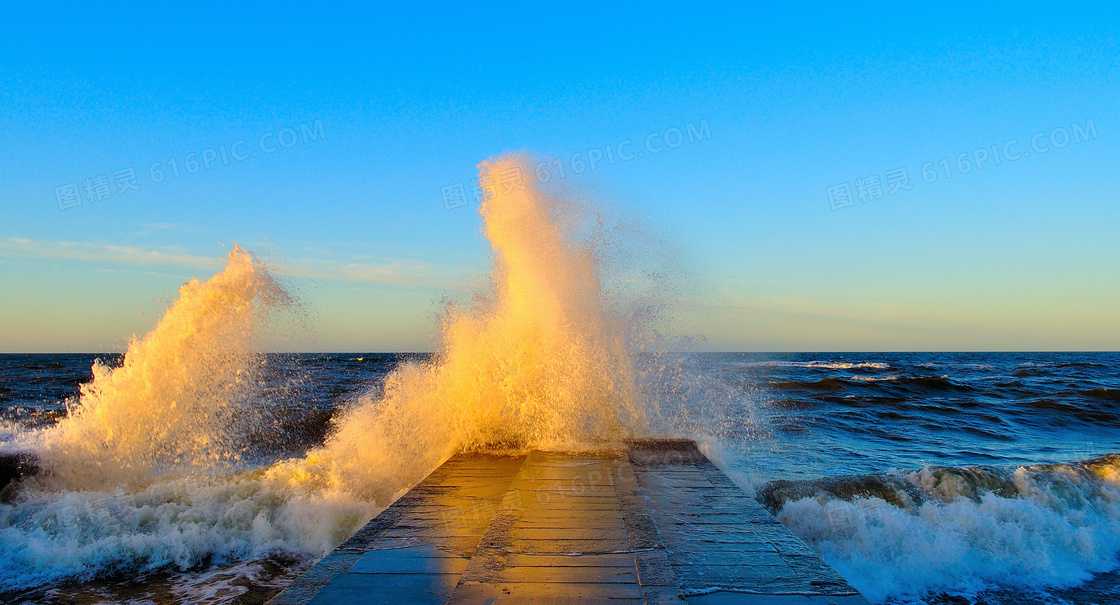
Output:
x,y
380,108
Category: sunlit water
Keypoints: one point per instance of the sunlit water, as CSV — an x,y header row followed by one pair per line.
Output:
x,y
195,469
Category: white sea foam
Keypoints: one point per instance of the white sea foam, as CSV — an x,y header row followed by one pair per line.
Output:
x,y
845,365
48,535
1059,529
9,433
828,365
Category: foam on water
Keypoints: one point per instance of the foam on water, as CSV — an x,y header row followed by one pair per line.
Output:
x,y
48,535
828,365
970,531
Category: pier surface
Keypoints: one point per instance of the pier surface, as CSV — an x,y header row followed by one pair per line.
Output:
x,y
654,522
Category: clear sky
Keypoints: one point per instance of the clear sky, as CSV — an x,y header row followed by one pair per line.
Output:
x,y
357,122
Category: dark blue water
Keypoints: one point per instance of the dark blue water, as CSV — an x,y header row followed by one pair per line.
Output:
x,y
940,477
867,413
923,477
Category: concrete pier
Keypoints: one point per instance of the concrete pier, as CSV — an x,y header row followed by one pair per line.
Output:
x,y
651,522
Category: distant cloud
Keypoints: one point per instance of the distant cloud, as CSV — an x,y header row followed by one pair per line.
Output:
x,y
27,249
153,228
395,272
171,226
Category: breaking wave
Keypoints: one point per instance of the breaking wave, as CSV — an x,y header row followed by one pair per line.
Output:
x,y
960,531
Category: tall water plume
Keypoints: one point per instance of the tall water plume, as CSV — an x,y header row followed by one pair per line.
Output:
x,y
183,393
538,360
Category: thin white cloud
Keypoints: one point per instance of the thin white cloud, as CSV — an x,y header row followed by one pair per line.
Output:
x,y
167,226
395,272
132,256
153,228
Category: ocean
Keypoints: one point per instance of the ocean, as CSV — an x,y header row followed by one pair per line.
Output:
x,y
921,477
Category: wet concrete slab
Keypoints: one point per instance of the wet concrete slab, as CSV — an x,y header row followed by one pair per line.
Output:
x,y
416,550
645,522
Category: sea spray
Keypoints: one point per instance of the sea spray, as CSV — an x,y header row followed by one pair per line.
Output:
x,y
181,393
536,361
143,472
560,351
